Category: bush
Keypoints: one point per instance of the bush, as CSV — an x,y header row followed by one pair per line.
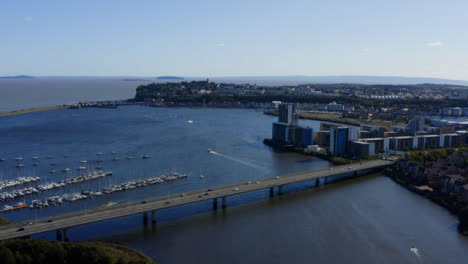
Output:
x,y
42,251
339,161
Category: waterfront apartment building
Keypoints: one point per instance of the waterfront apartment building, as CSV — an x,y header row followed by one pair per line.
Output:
x,y
322,138
403,143
287,114
304,136
280,133
334,107
339,137
378,144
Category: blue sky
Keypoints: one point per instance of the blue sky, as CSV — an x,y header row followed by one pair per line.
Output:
x,y
235,38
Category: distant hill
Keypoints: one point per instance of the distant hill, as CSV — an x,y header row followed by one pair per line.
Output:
x,y
134,80
295,80
169,78
17,77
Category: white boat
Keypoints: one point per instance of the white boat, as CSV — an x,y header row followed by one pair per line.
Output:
x,y
146,157
66,170
66,155
115,158
99,153
190,121
35,158
52,171
49,157
19,159
19,166
83,161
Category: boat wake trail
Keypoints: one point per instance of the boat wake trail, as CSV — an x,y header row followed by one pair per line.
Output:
x,y
416,252
246,163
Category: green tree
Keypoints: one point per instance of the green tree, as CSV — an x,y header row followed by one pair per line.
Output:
x,y
6,257
463,218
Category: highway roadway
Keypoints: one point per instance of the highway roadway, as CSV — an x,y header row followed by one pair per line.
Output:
x,y
106,213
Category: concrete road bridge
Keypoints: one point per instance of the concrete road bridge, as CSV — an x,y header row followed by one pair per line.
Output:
x,y
61,223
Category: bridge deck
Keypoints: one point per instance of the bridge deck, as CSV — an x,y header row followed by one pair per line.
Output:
x,y
116,211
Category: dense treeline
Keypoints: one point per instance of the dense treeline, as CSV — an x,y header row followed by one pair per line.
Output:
x,y
434,154
19,251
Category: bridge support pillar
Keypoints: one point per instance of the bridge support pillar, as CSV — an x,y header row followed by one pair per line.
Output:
x,y
280,190
153,217
215,204
59,234
65,235
355,174
224,202
145,218
272,192
326,180
317,182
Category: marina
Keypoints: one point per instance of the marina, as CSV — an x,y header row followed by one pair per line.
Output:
x,y
15,194
18,181
84,194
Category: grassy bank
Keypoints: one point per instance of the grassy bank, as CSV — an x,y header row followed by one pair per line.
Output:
x,y
24,111
328,117
43,251
4,221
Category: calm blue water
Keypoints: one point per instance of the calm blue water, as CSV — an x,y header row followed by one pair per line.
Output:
x,y
365,220
164,134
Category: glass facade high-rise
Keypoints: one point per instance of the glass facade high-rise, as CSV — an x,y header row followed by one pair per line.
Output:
x,y
287,114
339,141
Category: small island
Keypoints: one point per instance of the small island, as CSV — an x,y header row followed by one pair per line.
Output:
x,y
17,77
134,80
169,78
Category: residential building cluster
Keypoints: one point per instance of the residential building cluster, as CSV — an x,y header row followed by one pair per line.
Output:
x,y
287,130
366,140
448,175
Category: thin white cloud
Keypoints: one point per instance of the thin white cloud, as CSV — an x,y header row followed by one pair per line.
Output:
x,y
434,44
220,44
27,19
